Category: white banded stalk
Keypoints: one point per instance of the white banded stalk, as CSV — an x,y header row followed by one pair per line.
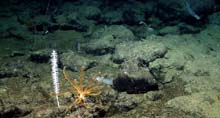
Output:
x,y
54,72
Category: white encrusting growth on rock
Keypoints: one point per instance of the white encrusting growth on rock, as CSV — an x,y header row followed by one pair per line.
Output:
x,y
104,80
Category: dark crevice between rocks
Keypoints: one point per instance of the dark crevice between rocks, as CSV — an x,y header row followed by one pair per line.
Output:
x,y
145,63
101,113
7,75
142,63
118,61
38,58
99,52
42,28
133,86
14,112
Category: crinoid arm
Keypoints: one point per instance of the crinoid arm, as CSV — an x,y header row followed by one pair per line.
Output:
x,y
81,77
73,83
82,89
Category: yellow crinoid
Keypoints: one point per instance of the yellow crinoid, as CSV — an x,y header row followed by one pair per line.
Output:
x,y
82,89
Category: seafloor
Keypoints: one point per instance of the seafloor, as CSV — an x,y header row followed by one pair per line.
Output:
x,y
162,60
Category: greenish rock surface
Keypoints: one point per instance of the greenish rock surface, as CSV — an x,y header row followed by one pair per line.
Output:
x,y
76,61
201,104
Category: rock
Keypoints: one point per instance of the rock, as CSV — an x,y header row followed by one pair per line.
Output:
x,y
169,30
9,24
73,21
62,19
119,32
95,110
17,53
64,40
12,69
154,95
101,46
168,68
89,12
165,9
41,19
3,91
171,75
131,12
44,113
200,83
75,61
14,111
142,31
79,24
188,29
112,17
134,15
145,52
24,17
40,56
134,58
5,74
139,81
105,40
126,102
21,33
202,104
214,18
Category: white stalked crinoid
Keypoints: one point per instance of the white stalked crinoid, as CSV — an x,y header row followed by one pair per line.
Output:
x,y
54,72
